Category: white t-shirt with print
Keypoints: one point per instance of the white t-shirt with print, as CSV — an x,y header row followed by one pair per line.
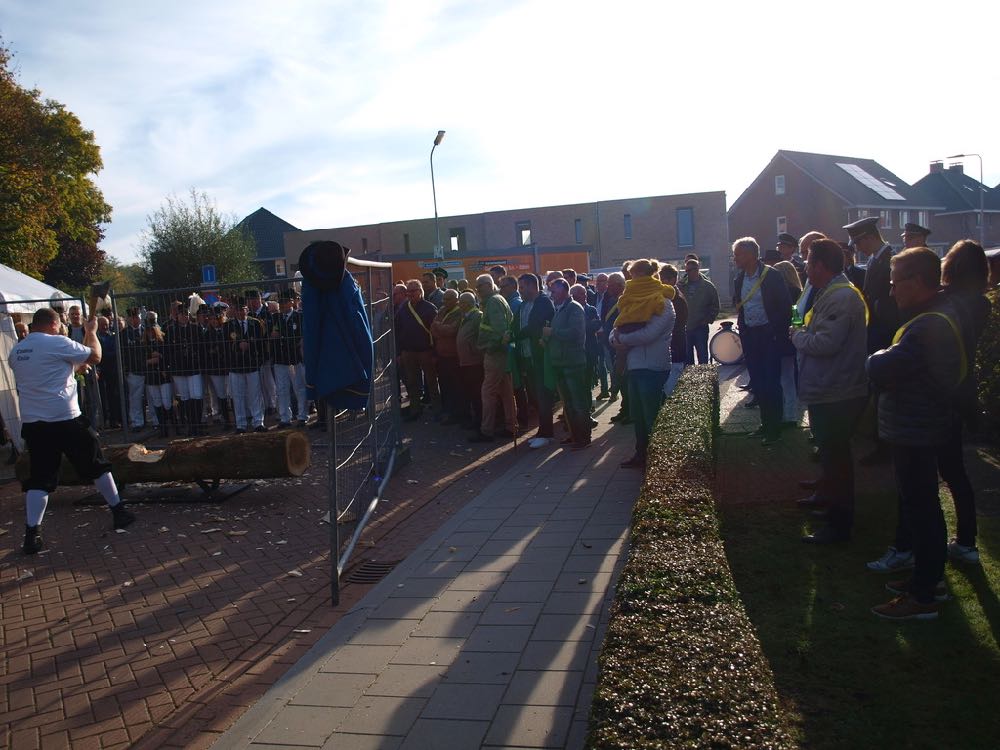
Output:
x,y
43,366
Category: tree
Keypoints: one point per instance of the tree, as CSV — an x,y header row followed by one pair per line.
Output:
x,y
77,265
124,277
184,236
46,192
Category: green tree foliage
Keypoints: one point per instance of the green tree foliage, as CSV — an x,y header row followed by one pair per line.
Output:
x,y
46,193
124,277
182,236
77,265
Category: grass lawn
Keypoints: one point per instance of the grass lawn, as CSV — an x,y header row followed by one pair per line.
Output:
x,y
846,678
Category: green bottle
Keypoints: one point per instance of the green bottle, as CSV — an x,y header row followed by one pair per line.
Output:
x,y
796,318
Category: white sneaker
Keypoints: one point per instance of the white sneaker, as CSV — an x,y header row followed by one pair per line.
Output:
x,y
891,560
962,553
539,442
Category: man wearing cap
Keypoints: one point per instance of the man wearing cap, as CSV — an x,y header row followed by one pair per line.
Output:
x,y
788,248
134,365
432,294
914,235
257,308
246,342
883,315
286,347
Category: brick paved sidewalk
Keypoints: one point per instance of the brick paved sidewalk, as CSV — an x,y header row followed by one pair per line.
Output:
x,y
163,635
487,635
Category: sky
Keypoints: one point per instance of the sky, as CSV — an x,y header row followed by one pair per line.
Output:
x,y
324,111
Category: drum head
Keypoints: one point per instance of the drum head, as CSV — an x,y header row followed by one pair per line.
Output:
x,y
726,348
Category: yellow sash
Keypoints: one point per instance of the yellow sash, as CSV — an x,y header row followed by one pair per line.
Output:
x,y
421,322
845,285
963,367
754,288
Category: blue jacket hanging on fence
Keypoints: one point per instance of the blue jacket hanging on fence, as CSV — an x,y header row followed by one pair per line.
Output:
x,y
337,337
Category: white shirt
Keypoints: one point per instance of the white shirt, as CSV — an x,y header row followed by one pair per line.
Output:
x,y
43,366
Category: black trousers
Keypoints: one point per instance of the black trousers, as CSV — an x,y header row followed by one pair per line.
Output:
x,y
916,470
541,397
833,425
48,441
763,357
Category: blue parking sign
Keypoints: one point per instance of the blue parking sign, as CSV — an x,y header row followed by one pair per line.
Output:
x,y
208,274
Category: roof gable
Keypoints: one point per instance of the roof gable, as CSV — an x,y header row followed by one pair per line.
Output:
x,y
957,191
267,231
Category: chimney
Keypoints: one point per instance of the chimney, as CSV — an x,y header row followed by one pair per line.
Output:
x,y
956,168
937,167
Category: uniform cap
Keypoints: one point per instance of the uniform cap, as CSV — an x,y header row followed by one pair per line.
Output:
x,y
787,239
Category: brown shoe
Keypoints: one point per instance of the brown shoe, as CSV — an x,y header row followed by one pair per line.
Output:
x,y
902,586
905,607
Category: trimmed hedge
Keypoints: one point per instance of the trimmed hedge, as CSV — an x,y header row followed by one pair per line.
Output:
x,y
987,372
681,665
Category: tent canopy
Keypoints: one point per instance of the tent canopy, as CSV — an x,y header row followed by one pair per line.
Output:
x,y
16,287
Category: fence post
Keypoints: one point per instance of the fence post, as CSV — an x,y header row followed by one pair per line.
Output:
x,y
331,478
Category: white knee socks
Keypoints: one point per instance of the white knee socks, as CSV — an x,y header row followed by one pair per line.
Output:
x,y
105,484
35,502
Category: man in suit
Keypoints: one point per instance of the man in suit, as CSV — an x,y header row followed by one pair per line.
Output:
x,y
526,332
764,307
565,339
245,356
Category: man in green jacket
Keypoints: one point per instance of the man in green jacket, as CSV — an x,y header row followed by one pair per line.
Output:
x,y
496,380
703,305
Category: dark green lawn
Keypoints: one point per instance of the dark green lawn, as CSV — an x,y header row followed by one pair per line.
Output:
x,y
846,678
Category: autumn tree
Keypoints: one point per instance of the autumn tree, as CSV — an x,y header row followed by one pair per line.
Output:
x,y
184,235
77,264
47,195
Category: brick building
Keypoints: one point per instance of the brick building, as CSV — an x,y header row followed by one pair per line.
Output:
x,y
605,233
959,194
799,191
268,233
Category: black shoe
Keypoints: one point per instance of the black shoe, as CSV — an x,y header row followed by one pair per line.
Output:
x,y
32,540
240,431
809,484
594,423
827,535
811,502
260,428
284,425
603,395
744,387
619,417
481,437
122,518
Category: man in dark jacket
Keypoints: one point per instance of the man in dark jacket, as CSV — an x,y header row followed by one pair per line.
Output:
x,y
917,376
535,313
245,356
416,346
764,315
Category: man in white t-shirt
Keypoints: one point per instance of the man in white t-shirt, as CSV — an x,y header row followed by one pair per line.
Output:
x,y
44,365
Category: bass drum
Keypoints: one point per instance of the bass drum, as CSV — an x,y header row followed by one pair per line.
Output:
x,y
725,346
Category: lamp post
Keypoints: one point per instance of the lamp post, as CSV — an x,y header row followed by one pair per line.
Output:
x,y
438,252
982,217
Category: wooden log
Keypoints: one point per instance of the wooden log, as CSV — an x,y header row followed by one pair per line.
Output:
x,y
255,455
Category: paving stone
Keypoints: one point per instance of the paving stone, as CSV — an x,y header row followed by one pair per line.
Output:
x,y
333,690
553,688
555,655
565,628
507,546
346,741
562,539
605,531
383,632
530,726
492,512
554,526
486,581
467,539
407,681
480,524
400,608
577,738
438,569
435,651
419,587
467,701
359,659
523,591
498,638
376,714
453,554
492,563
482,668
513,533
302,725
572,513
462,601
574,603
511,613
445,734
446,624
544,571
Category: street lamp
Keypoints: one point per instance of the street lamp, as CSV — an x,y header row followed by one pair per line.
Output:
x,y
982,217
438,253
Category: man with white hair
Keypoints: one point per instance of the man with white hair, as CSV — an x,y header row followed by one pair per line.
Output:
x,y
496,380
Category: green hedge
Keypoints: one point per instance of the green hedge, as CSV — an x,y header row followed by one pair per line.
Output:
x,y
681,665
987,372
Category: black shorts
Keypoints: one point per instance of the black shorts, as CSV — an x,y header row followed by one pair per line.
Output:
x,y
48,441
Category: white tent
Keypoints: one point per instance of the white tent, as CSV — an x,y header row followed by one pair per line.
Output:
x,y
19,293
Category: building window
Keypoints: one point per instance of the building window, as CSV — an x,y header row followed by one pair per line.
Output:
x,y
924,219
885,219
904,218
578,229
628,226
862,213
279,268
522,233
457,235
779,184
685,227
781,224
364,244
406,242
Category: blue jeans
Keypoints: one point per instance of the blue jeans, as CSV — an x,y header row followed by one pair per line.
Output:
x,y
645,394
697,341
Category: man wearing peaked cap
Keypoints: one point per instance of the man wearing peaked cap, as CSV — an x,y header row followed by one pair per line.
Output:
x,y
914,235
788,248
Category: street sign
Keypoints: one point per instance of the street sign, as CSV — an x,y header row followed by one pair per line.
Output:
x,y
208,274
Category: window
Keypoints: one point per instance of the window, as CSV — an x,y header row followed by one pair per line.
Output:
x,y
578,229
279,268
885,219
924,219
406,242
862,213
781,224
628,226
522,233
779,184
685,227
364,244
457,235
904,218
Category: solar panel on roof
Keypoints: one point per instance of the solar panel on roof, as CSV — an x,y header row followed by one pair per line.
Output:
x,y
871,182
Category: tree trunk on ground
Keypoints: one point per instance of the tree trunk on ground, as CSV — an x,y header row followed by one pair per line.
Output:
x,y
256,455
